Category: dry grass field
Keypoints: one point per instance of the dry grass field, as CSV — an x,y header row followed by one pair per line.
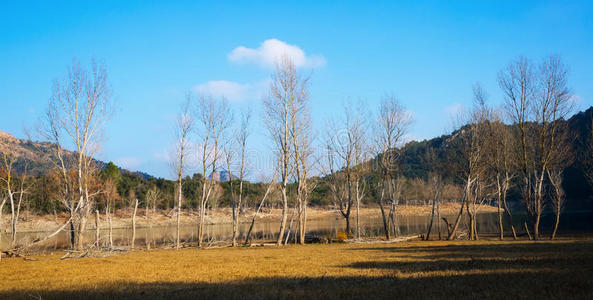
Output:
x,y
412,270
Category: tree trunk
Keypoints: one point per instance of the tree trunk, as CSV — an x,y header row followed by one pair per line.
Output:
x,y
258,210
457,221
179,196
527,230
284,216
134,225
234,211
110,227
536,226
357,211
439,217
97,227
385,225
556,224
509,214
499,207
431,219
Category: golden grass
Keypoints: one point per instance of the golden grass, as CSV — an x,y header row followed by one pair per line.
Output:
x,y
435,269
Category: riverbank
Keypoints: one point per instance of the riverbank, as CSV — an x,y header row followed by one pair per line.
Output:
x,y
408,270
122,218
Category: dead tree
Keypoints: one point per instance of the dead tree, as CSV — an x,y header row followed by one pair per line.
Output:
x,y
214,118
502,161
135,199
347,153
435,182
472,144
393,122
288,91
183,127
111,195
2,203
536,98
78,108
259,207
555,177
229,156
152,197
242,137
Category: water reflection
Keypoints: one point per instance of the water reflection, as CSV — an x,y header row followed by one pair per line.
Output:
x,y
267,231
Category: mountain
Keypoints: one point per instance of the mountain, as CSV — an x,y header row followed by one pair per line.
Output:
x,y
417,158
39,157
222,175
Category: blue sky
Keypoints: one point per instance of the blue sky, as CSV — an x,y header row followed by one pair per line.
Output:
x,y
427,53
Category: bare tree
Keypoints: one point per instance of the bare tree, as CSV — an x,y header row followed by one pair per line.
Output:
x,y
183,127
288,91
393,122
502,162
135,201
555,177
12,192
2,203
259,207
536,98
111,195
301,136
472,144
214,118
229,155
436,184
78,108
242,136
152,197
347,152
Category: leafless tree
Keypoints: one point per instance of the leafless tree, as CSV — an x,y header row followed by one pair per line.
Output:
x,y
472,141
269,188
134,200
3,198
229,149
288,94
183,127
555,177
301,136
152,197
242,136
393,122
436,184
502,162
214,118
12,189
536,98
78,108
347,152
110,190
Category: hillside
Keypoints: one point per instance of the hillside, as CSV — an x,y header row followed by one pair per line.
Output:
x,y
38,157
417,159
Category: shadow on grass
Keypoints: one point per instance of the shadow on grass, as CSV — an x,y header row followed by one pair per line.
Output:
x,y
472,286
473,264
512,271
484,250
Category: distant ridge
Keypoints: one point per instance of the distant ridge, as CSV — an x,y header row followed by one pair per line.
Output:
x,y
38,157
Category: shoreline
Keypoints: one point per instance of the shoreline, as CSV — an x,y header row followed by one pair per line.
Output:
x,y
219,216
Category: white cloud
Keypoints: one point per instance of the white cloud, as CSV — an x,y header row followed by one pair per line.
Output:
x,y
271,51
233,91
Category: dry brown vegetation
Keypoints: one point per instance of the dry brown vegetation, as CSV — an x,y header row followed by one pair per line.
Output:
x,y
436,269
